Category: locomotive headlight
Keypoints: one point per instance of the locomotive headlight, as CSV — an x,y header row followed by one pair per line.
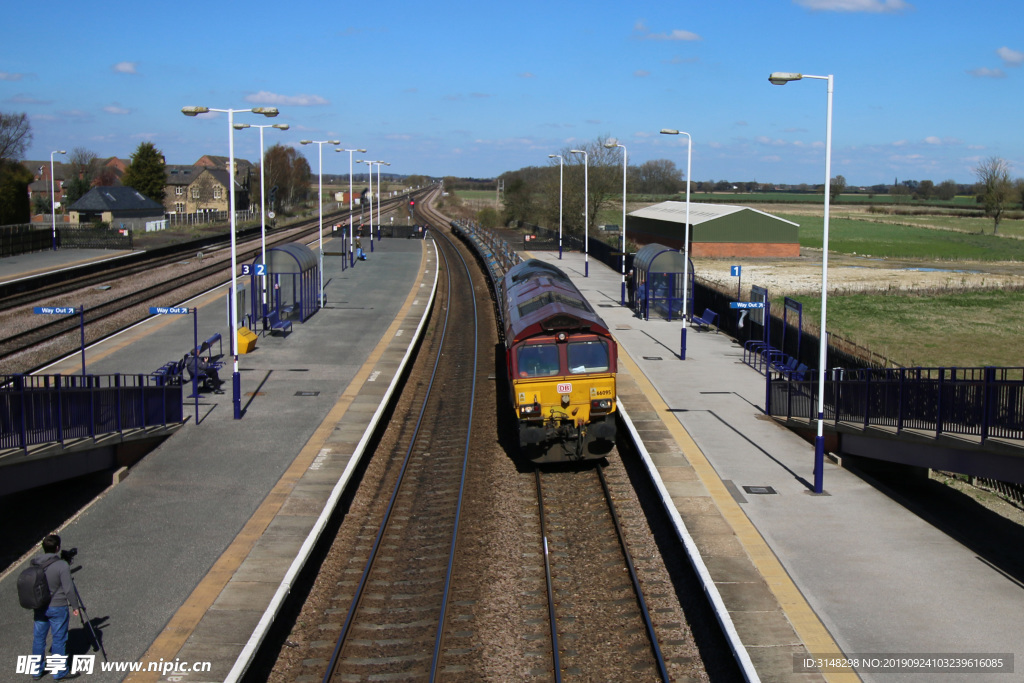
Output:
x,y
565,399
601,404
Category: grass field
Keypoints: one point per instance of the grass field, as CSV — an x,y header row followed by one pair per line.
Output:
x,y
865,236
962,329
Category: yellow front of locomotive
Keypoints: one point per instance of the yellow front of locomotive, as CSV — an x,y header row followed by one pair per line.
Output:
x,y
563,391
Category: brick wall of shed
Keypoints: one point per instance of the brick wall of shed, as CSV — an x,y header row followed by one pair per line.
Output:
x,y
745,249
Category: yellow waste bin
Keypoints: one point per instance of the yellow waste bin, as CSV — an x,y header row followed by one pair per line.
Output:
x,y
246,340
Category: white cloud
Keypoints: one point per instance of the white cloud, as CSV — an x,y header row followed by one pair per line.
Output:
x,y
526,74
643,33
677,34
125,68
5,76
114,109
985,72
641,73
876,6
1010,57
21,98
265,97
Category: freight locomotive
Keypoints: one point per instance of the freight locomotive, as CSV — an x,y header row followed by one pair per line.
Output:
x,y
561,362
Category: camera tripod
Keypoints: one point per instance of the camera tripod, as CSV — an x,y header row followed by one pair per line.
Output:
x,y
84,616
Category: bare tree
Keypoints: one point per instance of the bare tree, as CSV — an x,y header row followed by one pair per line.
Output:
x,y
15,136
993,176
837,186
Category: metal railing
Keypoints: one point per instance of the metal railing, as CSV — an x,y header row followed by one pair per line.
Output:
x,y
37,409
984,402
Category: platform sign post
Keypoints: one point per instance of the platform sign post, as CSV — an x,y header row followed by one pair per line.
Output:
x,y
184,310
67,310
736,271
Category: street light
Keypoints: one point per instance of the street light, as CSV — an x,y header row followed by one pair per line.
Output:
x,y
369,177
561,163
781,78
236,378
263,212
379,164
686,233
320,200
586,210
53,199
351,235
612,144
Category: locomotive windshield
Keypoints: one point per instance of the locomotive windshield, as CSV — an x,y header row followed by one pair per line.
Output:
x,y
537,360
587,356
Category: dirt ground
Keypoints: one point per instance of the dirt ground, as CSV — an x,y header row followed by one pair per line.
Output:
x,y
856,274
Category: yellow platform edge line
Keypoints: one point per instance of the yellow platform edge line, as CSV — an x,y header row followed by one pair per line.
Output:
x,y
177,631
804,620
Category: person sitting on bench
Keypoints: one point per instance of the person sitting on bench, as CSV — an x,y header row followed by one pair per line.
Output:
x,y
205,368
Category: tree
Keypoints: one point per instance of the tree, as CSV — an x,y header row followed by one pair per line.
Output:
x,y
837,186
993,176
289,171
82,166
946,190
925,189
658,176
14,182
146,172
15,136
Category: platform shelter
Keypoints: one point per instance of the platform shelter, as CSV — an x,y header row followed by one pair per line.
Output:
x,y
658,282
293,281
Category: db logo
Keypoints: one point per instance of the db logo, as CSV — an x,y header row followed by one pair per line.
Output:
x,y
564,388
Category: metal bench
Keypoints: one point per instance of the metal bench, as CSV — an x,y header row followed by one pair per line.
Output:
x,y
705,320
278,325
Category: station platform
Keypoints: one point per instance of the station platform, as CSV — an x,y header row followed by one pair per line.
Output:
x,y
183,557
35,263
851,570
189,556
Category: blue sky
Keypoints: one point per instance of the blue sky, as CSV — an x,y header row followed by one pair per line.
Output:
x,y
923,90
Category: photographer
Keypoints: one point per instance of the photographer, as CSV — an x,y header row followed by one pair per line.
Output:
x,y
54,618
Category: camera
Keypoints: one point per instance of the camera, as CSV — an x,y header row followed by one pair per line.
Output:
x,y
68,555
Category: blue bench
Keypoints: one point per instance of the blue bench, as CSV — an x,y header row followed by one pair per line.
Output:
x,y
170,373
705,320
278,325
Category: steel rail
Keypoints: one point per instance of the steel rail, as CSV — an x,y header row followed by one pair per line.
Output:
x,y
360,590
555,661
644,611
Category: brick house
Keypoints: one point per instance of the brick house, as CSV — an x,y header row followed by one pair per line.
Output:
x,y
200,189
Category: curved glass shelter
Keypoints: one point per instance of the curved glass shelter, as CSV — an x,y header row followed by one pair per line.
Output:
x,y
658,282
293,276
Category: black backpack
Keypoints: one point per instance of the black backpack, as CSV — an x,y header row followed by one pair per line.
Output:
x,y
33,588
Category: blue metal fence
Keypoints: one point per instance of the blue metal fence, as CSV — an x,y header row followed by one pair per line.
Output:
x,y
983,402
38,409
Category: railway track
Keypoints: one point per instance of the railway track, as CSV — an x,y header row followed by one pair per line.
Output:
x,y
180,280
599,618
400,631
493,621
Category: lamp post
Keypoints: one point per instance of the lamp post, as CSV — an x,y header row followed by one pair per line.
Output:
x,y
320,200
561,164
379,164
612,144
263,211
369,176
686,233
236,379
53,199
781,78
351,234
586,210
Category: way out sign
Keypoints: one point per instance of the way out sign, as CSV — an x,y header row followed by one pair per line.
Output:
x,y
746,304
54,310
168,310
